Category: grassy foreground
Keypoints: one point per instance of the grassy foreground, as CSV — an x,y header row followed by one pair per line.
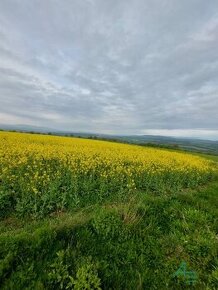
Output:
x,y
135,239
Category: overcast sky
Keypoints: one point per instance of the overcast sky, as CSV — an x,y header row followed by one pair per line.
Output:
x,y
111,66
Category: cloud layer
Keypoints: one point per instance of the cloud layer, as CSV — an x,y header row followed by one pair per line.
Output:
x,y
118,66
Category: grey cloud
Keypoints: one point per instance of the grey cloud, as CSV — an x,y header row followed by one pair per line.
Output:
x,y
110,66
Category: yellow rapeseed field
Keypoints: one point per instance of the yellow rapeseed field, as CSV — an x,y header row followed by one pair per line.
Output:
x,y
42,172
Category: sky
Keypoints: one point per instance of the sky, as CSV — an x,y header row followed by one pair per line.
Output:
x,y
111,66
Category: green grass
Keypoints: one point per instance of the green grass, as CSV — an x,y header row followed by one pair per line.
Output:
x,y
137,242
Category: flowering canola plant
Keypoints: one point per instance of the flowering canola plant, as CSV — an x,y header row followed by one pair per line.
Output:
x,y
40,174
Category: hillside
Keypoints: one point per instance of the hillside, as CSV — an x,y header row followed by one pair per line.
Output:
x,y
187,144
87,214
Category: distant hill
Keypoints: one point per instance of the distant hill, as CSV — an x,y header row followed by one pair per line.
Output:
x,y
26,128
189,144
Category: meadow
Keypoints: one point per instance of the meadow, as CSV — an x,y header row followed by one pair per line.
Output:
x,y
88,214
